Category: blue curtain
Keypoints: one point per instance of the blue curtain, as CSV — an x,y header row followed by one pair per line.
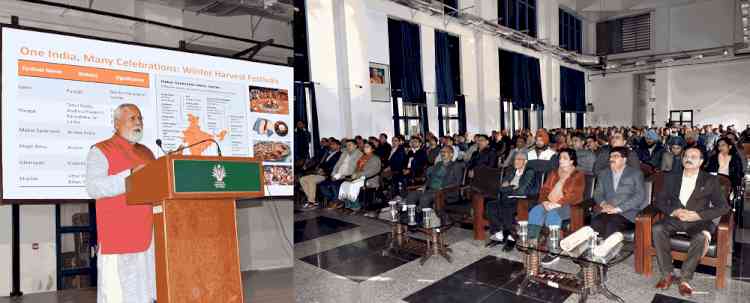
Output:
x,y
572,90
444,70
406,61
520,80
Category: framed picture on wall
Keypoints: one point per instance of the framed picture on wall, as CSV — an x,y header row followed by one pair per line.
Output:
x,y
380,82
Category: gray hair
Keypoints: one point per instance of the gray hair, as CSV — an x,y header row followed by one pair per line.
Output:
x,y
118,110
524,155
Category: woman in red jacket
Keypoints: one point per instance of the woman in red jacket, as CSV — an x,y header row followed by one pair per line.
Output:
x,y
563,188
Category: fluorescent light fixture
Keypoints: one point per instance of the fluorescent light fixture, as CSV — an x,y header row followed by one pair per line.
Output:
x,y
698,56
667,60
612,66
640,62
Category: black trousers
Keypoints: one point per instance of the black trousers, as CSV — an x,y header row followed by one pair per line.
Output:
x,y
607,224
425,199
501,213
664,229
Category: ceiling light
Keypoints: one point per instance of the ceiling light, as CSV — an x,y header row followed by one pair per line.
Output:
x,y
667,60
640,62
726,52
698,56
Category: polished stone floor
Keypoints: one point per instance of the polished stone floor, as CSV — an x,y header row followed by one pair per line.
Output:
x,y
349,266
270,286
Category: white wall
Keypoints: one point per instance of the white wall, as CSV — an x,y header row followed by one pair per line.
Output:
x,y
718,93
345,108
613,97
5,253
695,25
38,266
265,231
704,88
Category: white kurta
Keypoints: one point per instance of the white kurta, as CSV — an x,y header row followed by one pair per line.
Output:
x,y
122,278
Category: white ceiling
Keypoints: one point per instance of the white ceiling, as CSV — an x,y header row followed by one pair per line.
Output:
x,y
596,10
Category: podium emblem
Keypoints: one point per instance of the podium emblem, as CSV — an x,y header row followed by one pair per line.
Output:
x,y
219,173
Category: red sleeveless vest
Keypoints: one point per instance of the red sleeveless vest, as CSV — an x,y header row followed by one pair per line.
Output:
x,y
123,228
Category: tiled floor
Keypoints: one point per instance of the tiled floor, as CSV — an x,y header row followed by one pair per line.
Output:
x,y
491,279
318,227
659,298
272,286
345,267
361,260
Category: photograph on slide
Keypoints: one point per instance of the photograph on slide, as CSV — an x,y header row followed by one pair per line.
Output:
x,y
269,100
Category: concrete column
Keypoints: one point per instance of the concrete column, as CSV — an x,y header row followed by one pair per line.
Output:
x,y
429,77
357,83
324,68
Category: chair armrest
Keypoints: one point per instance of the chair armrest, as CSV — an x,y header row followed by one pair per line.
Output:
x,y
413,187
726,223
578,214
442,193
643,223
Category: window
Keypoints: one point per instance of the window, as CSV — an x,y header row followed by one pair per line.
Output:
x,y
681,118
572,120
517,118
411,119
450,7
624,35
449,120
571,37
451,111
518,14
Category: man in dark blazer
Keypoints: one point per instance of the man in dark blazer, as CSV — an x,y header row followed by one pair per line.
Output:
x,y
484,156
384,149
416,161
619,193
324,168
691,200
517,181
445,173
396,164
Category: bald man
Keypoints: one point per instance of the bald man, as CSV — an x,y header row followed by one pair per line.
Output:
x,y
124,232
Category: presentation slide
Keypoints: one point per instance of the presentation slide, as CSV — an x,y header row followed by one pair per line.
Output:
x,y
59,91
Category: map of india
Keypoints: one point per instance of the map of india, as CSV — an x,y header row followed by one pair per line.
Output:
x,y
193,133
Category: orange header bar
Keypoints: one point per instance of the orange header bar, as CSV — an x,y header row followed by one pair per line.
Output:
x,y
81,73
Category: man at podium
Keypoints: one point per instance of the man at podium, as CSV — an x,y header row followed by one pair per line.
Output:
x,y
125,232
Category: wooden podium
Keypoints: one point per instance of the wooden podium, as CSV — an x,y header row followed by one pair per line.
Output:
x,y
195,227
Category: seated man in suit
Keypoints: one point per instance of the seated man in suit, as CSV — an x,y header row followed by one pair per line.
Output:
x,y
344,167
619,193
691,199
324,168
517,181
416,161
443,174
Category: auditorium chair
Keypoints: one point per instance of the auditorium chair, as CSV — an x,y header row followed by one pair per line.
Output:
x,y
469,207
578,213
719,250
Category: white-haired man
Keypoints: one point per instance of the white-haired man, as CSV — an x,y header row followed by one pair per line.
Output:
x,y
124,232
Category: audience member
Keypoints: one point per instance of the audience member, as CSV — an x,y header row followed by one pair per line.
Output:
x,y
691,200
443,174
517,181
619,193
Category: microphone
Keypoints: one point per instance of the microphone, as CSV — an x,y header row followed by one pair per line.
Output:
x,y
218,149
158,143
